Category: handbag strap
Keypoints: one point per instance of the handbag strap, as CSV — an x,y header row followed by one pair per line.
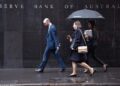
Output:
x,y
83,37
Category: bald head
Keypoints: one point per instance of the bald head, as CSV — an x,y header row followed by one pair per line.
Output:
x,y
46,21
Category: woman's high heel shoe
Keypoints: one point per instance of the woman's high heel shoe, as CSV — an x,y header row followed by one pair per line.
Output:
x,y
75,75
92,71
86,70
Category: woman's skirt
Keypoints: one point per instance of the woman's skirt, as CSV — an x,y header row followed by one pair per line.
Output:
x,y
78,57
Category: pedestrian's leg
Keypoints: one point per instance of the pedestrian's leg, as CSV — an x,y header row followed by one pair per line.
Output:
x,y
59,60
45,58
86,66
96,58
74,68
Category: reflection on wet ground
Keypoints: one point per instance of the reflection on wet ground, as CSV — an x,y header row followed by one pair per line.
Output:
x,y
52,77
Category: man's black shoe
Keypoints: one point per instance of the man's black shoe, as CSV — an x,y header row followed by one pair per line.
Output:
x,y
62,70
39,70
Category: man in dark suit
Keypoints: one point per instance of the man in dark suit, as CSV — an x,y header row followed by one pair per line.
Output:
x,y
52,46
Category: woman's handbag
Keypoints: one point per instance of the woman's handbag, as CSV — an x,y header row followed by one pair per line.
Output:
x,y
83,49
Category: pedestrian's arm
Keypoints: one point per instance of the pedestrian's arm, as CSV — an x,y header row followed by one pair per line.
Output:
x,y
54,35
69,38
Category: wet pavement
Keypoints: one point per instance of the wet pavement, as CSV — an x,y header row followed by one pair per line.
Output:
x,y
52,77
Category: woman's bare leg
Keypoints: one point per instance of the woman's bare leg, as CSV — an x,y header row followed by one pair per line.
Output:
x,y
74,68
86,66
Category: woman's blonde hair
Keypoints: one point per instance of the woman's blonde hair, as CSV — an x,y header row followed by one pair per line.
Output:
x,y
78,23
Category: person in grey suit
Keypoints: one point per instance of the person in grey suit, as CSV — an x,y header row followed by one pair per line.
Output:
x,y
52,46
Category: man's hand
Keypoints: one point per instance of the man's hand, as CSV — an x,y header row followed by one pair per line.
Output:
x,y
57,48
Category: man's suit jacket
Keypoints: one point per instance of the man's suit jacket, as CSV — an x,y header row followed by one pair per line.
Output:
x,y
52,39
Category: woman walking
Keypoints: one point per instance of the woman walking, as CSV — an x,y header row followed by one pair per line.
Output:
x,y
92,44
77,58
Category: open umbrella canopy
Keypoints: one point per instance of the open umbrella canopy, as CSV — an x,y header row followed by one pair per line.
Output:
x,y
85,14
